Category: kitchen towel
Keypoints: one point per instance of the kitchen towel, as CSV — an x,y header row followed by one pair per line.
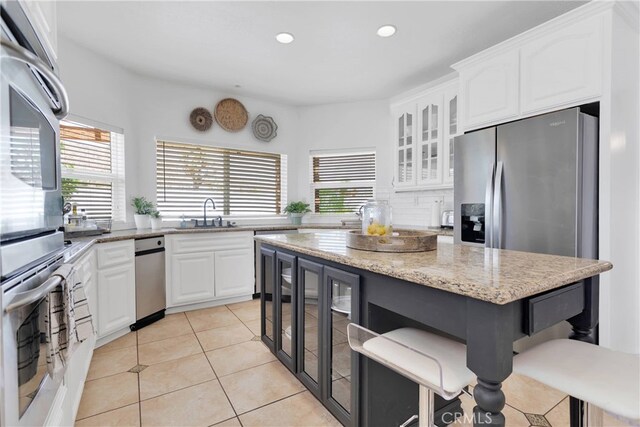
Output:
x,y
69,319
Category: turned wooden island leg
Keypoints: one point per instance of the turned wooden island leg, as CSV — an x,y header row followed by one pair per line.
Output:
x,y
490,357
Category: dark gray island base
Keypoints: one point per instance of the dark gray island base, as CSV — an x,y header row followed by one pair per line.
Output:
x,y
486,298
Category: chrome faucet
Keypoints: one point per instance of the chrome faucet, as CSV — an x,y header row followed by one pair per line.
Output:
x,y
205,210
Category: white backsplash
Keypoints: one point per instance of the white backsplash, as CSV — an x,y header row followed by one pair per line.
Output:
x,y
417,207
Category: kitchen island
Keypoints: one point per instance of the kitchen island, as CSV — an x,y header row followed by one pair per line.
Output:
x,y
487,298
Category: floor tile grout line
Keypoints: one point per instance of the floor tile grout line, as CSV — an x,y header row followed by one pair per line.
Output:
x,y
179,389
215,373
555,406
271,403
138,374
104,412
246,369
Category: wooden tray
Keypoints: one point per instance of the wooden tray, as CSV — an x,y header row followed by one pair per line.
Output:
x,y
400,241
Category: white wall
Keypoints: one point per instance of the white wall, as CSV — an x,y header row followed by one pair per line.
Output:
x,y
100,91
147,108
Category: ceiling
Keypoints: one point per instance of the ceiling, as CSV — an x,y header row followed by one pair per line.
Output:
x,y
336,55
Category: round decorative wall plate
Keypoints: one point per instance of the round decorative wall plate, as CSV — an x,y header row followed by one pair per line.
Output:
x,y
231,115
264,128
201,119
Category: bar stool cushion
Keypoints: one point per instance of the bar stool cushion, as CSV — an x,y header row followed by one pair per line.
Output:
x,y
605,378
451,355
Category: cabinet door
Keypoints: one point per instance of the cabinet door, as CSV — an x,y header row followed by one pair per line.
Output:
x,y
404,119
563,67
286,293
192,278
341,364
490,91
116,298
234,272
451,129
267,297
430,137
309,327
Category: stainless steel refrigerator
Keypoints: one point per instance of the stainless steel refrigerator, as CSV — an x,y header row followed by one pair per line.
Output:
x,y
530,185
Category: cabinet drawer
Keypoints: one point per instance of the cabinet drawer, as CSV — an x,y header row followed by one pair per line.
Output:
x,y
548,309
114,254
180,244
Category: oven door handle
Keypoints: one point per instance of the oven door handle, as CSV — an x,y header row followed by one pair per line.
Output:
x,y
34,295
17,52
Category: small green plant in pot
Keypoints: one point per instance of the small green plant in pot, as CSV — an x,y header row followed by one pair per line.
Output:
x,y
143,209
156,220
296,211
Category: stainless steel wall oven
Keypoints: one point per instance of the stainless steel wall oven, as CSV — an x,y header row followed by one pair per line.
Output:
x,y
32,101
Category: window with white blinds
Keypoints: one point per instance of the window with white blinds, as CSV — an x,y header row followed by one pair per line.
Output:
x,y
342,182
93,170
241,182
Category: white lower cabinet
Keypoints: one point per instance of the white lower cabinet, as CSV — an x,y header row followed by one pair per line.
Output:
x,y
191,278
205,267
232,272
116,287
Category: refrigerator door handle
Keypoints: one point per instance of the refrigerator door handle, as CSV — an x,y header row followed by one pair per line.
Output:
x,y
488,241
497,207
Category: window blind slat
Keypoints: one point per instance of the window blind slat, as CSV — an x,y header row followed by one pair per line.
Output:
x,y
331,175
240,181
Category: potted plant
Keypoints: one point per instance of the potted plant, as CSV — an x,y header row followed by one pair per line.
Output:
x,y
143,208
296,211
156,220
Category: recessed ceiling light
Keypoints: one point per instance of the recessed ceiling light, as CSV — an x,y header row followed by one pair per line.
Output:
x,y
237,86
386,31
284,38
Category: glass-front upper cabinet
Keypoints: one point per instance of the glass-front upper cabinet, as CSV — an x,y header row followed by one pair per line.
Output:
x,y
453,129
405,145
424,129
431,134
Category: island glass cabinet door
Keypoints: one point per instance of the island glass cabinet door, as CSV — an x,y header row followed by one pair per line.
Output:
x,y
309,324
341,307
267,297
286,292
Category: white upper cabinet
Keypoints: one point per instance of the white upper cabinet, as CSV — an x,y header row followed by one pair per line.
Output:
x,y
452,129
490,90
424,127
405,119
430,133
556,65
563,67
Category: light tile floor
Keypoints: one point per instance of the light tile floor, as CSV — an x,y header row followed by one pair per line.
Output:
x,y
208,367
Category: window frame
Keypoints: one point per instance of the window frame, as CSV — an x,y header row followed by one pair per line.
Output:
x,y
340,184
117,175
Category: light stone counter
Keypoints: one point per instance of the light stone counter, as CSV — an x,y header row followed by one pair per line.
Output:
x,y
493,275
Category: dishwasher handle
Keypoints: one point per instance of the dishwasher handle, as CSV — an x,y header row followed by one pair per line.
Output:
x,y
149,251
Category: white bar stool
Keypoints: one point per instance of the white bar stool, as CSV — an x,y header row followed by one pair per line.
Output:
x,y
437,364
607,380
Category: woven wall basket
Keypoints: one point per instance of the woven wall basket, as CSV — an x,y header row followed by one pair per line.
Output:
x,y
231,115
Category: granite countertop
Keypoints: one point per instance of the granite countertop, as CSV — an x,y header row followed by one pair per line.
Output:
x,y
119,235
494,275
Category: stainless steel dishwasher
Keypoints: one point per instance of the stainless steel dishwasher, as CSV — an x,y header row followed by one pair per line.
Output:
x,y
150,281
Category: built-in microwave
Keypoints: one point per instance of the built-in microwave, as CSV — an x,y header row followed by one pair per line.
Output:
x,y
32,101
